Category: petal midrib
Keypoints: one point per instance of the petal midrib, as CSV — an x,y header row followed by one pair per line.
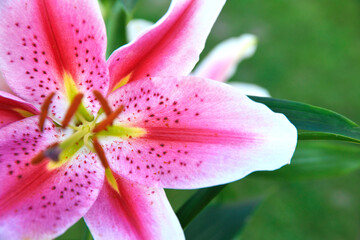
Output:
x,y
127,206
51,36
198,135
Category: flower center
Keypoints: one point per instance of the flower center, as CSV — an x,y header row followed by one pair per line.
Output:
x,y
85,132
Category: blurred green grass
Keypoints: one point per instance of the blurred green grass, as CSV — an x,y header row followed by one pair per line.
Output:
x,y
308,51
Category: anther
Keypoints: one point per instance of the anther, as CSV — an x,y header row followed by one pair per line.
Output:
x,y
72,109
108,121
108,172
47,153
103,102
44,110
38,158
100,152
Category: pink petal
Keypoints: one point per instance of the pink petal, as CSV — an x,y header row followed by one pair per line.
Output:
x,y
222,61
199,133
8,106
171,47
138,212
7,117
9,101
41,40
36,203
3,85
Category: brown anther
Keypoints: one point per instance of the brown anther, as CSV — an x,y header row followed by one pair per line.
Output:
x,y
43,154
72,109
103,102
100,152
108,121
38,158
44,110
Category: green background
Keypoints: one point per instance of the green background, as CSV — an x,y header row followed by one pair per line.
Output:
x,y
308,51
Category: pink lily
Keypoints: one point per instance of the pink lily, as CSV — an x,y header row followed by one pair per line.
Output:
x,y
159,131
221,63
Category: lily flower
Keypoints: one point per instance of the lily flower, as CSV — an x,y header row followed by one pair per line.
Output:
x,y
88,137
221,63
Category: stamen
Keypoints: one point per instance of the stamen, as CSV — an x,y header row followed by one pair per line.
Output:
x,y
108,121
44,154
44,110
108,173
72,109
103,102
38,158
100,152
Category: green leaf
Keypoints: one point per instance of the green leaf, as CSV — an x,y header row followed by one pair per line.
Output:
x,y
196,203
220,222
314,122
314,160
78,231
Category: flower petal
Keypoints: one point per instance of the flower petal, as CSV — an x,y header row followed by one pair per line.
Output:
x,y
199,133
37,203
3,85
138,212
7,117
171,47
44,42
251,89
13,109
222,61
